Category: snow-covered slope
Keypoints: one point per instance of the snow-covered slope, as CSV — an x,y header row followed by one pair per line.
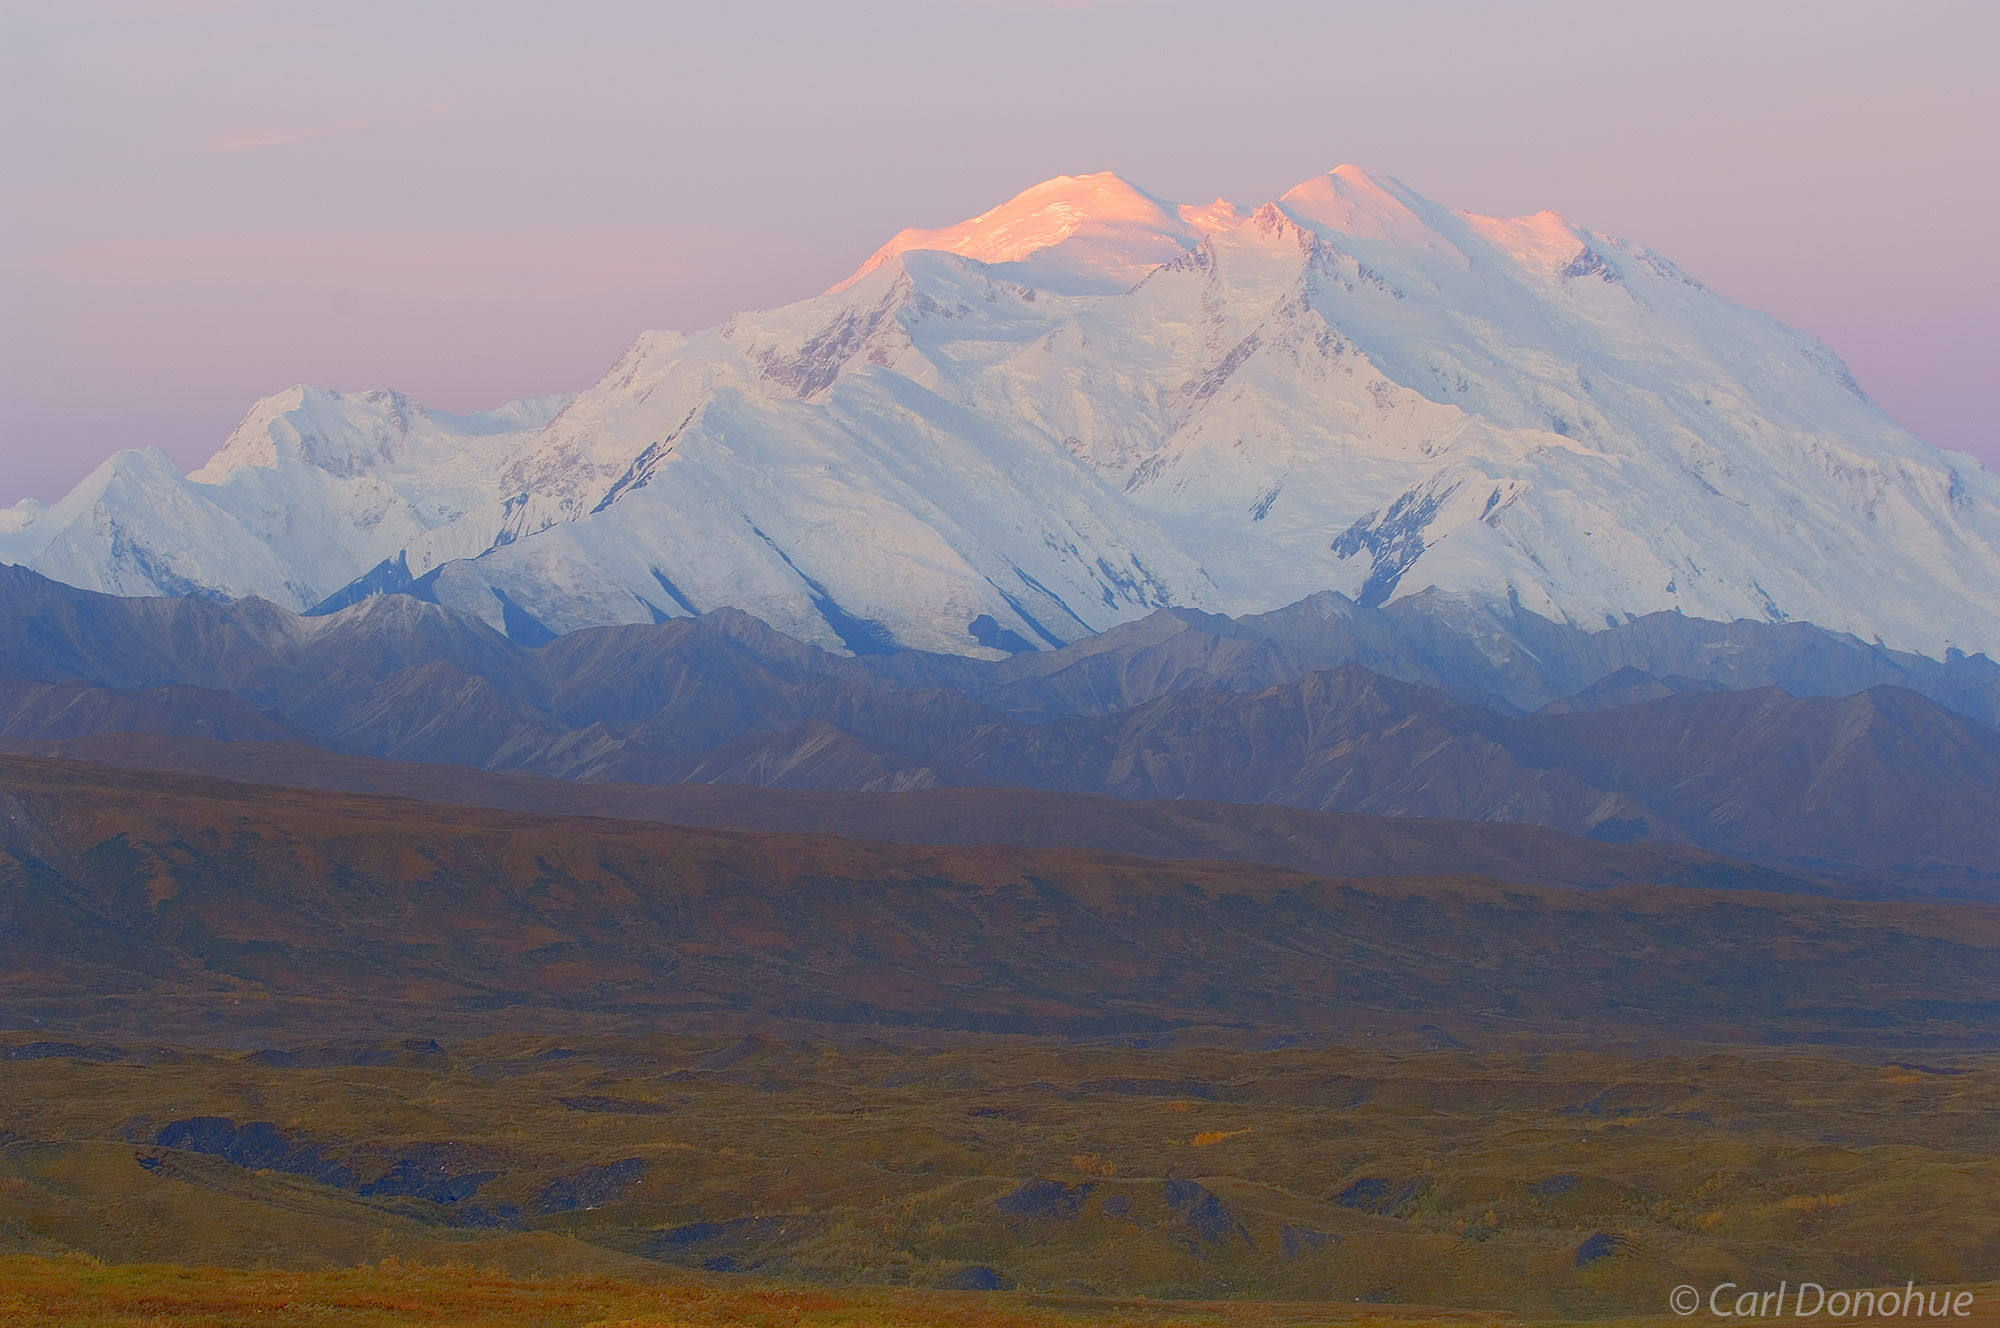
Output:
x,y
1088,403
1359,389
311,490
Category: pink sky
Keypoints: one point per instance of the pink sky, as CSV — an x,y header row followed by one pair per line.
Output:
x,y
202,202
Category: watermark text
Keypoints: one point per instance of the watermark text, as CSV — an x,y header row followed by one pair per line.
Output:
x,y
1810,1300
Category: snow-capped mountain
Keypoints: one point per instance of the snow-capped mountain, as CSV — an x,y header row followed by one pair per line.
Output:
x,y
309,492
1088,403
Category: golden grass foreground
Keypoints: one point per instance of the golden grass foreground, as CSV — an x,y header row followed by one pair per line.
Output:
x,y
79,1292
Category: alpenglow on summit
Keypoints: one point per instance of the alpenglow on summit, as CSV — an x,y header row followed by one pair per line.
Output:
x,y
1088,403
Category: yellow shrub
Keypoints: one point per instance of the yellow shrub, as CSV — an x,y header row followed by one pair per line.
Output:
x,y
1807,1203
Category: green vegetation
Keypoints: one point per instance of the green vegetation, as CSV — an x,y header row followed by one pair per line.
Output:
x,y
76,1292
70,1292
1391,1172
708,1076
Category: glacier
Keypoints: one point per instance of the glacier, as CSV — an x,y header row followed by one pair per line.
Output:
x,y
1089,403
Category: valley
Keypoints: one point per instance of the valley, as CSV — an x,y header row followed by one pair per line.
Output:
x,y
367,1044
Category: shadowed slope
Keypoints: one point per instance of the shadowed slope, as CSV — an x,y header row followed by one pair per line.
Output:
x,y
1896,792
1345,843
127,882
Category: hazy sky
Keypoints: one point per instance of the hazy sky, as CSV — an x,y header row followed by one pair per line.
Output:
x,y
204,202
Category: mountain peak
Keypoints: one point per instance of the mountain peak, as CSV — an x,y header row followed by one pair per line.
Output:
x,y
1352,201
21,515
1109,227
316,427
1033,441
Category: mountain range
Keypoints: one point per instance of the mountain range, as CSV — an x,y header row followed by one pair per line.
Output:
x,y
1784,745
1126,749
1089,404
